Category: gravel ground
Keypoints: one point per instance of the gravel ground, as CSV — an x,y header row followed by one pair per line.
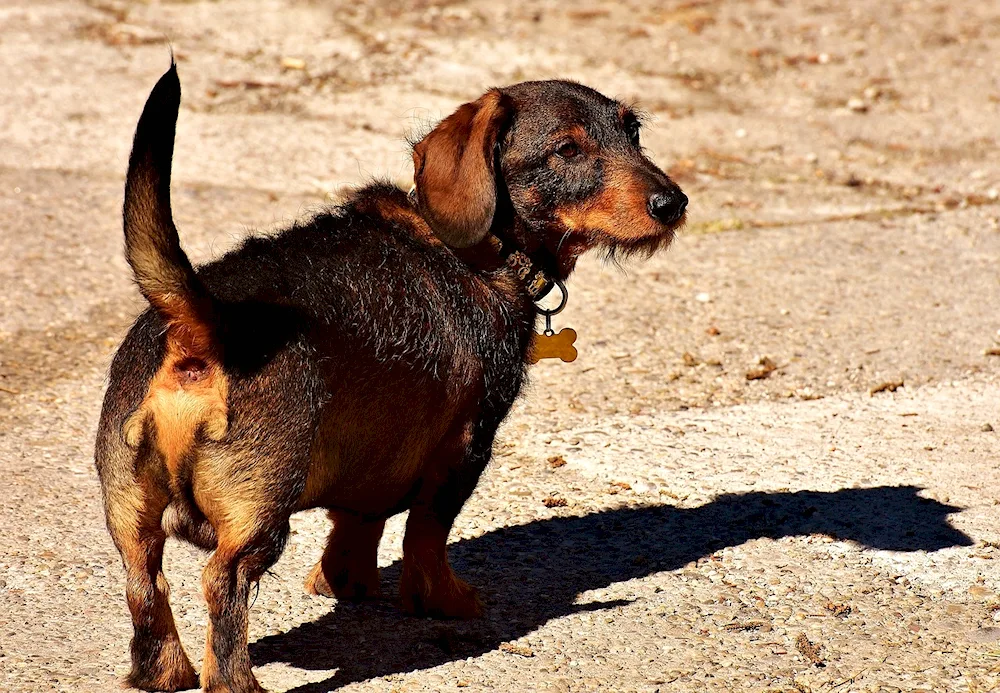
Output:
x,y
717,495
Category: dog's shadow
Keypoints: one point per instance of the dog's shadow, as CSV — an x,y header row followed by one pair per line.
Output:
x,y
533,573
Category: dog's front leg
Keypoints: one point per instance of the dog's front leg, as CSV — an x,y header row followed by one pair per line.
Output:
x,y
349,567
428,585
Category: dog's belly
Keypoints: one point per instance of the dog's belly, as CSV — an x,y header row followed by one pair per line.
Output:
x,y
379,444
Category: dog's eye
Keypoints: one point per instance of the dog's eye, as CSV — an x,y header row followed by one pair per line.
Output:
x,y
632,130
568,150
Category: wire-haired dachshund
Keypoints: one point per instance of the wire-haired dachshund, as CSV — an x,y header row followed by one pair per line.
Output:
x,y
360,361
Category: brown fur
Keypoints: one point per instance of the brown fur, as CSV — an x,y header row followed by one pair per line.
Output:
x,y
159,660
454,171
186,395
403,215
428,585
348,438
226,667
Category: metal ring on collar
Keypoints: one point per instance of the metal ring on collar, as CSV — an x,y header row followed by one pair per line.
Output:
x,y
562,303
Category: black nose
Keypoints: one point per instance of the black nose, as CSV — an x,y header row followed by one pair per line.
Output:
x,y
668,207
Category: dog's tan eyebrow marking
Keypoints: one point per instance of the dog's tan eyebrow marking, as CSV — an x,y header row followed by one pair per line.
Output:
x,y
577,133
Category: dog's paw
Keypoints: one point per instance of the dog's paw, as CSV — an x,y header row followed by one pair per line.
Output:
x,y
343,585
450,597
251,687
317,584
172,671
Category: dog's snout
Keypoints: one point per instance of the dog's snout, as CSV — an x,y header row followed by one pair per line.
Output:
x,y
667,207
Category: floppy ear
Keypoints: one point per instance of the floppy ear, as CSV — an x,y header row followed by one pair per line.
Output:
x,y
453,170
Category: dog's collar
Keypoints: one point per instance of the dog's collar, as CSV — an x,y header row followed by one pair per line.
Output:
x,y
534,279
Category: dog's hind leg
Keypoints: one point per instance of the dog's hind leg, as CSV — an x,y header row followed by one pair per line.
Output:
x,y
134,508
248,546
349,567
248,496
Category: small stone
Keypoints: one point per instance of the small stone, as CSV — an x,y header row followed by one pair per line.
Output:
x,y
987,428
887,386
766,366
293,63
515,649
857,105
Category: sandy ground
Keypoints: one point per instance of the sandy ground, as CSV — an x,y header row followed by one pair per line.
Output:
x,y
841,159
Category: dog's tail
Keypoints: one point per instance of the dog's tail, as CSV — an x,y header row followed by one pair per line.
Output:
x,y
162,271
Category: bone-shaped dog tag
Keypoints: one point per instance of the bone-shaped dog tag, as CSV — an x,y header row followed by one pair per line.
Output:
x,y
553,346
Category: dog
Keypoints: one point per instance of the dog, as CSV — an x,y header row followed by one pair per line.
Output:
x,y
359,361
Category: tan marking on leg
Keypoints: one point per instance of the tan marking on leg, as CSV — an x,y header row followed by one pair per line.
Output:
x,y
226,582
237,507
133,511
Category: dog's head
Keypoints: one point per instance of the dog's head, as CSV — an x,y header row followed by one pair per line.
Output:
x,y
554,163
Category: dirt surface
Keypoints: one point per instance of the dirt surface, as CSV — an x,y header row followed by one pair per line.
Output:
x,y
711,498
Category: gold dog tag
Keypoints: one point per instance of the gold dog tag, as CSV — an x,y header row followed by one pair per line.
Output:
x,y
549,345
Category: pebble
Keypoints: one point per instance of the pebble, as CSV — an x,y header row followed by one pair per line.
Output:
x,y
289,63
